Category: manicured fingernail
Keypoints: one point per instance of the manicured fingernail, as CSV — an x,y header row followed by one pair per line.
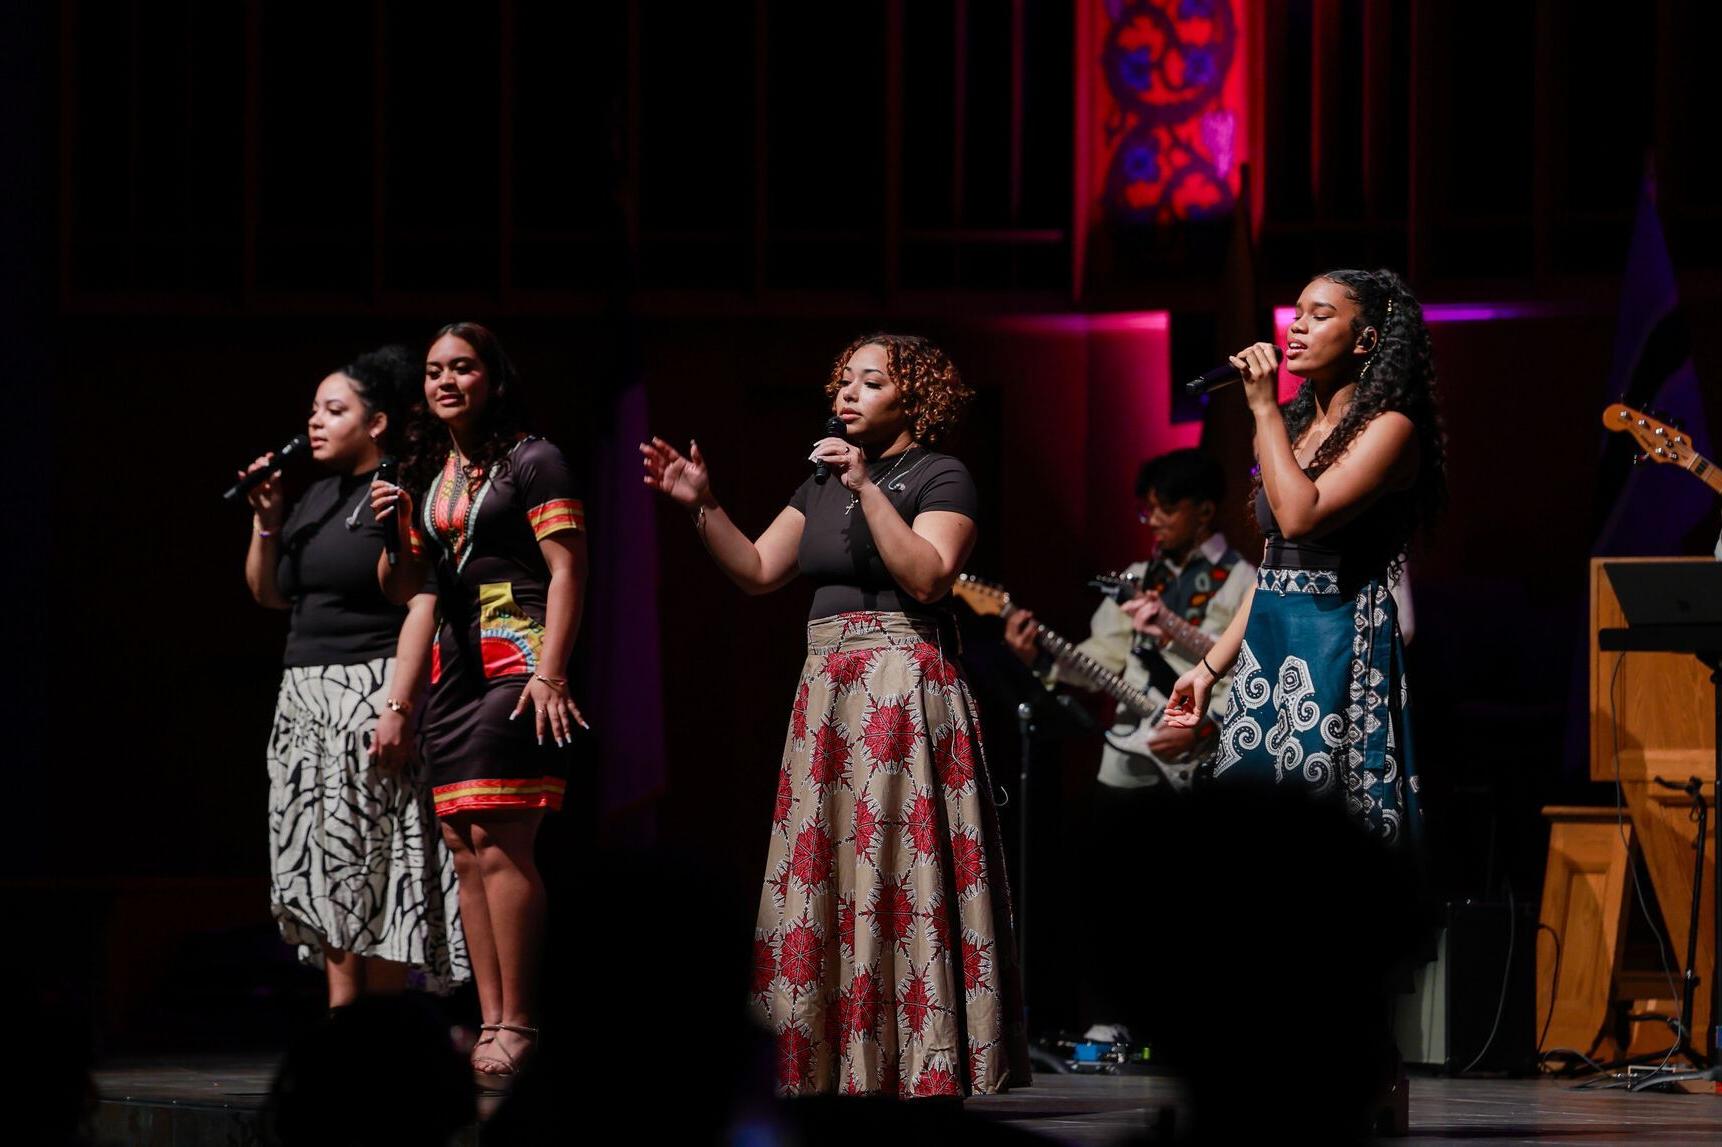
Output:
x,y
541,738
514,714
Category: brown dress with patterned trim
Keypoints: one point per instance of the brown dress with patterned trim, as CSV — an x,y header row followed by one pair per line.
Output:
x,y
492,584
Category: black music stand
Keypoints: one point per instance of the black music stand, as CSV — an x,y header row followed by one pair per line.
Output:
x,y
1676,607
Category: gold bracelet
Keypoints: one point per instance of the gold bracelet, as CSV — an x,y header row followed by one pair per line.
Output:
x,y
557,683
394,706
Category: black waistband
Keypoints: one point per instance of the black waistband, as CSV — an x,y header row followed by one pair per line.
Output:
x,y
1284,555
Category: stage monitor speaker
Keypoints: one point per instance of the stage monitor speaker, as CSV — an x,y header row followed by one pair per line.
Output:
x,y
1489,969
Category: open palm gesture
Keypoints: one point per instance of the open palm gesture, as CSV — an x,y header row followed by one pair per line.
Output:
x,y
680,478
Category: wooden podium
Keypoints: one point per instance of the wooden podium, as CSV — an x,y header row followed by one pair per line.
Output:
x,y
1661,715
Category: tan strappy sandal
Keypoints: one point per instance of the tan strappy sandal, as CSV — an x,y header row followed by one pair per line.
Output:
x,y
503,1080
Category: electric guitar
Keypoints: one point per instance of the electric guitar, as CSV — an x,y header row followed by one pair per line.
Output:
x,y
1194,642
990,600
1661,442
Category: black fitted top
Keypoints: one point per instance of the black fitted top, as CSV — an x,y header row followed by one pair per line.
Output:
x,y
1361,548
837,550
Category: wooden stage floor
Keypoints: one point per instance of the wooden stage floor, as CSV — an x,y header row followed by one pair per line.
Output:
x,y
192,1100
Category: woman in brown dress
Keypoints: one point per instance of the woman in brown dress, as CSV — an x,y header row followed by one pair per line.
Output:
x,y
884,956
499,530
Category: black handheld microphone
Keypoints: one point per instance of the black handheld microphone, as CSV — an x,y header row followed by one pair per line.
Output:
x,y
386,466
834,428
261,475
1222,375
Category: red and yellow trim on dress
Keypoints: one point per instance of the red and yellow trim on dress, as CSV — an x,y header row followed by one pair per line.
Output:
x,y
488,793
556,515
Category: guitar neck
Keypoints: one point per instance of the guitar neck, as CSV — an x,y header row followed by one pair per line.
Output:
x,y
1196,642
1102,678
1705,471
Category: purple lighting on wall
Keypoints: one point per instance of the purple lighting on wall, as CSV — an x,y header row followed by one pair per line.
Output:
x,y
1433,314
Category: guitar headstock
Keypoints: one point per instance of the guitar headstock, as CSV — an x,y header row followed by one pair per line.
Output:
x,y
1116,586
1658,440
986,598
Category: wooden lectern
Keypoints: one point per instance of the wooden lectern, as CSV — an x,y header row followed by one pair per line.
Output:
x,y
1662,716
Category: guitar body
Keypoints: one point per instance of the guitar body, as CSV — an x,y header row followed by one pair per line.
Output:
x,y
990,600
1179,772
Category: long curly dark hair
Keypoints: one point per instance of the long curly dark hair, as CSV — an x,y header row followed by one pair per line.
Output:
x,y
427,439
934,394
1399,374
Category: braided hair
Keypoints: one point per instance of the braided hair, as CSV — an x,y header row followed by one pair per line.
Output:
x,y
427,437
1398,374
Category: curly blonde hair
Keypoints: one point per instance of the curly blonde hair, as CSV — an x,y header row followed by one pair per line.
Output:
x,y
934,395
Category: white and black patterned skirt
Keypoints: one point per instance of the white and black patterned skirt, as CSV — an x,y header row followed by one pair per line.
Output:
x,y
357,860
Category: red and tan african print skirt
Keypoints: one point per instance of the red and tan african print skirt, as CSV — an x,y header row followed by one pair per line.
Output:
x,y
884,954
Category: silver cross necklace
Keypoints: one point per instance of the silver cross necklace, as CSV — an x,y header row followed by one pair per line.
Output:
x,y
883,483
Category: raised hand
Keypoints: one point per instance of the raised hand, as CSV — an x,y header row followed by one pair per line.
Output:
x,y
680,478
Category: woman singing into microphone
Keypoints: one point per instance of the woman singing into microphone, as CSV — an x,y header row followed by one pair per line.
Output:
x,y
360,880
1350,468
506,540
884,957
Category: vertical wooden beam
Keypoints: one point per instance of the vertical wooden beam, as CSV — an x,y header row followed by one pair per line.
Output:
x,y
379,143
507,31
1016,98
68,143
1544,161
761,166
631,140
893,244
1255,18
1016,106
1417,195
1082,150
959,108
1377,65
252,152
1672,94
1325,133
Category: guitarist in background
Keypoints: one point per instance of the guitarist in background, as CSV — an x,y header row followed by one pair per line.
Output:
x,y
1193,584
1194,577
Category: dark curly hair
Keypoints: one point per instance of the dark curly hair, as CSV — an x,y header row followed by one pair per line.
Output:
x,y
386,381
427,441
934,394
1398,374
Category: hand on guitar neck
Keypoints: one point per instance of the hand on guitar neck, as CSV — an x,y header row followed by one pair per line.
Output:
x,y
1148,615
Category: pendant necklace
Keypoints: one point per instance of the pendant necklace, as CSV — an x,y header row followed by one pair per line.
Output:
x,y
882,483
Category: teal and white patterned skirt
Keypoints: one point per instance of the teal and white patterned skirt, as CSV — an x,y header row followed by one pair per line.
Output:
x,y
1319,699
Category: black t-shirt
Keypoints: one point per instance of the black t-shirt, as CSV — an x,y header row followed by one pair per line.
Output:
x,y
837,549
328,570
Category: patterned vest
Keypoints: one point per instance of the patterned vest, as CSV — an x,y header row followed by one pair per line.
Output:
x,y
1189,592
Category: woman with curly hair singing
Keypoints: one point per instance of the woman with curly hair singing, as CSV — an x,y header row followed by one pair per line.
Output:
x,y
884,955
1349,469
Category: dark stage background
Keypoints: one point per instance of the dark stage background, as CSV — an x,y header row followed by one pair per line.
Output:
x,y
218,203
